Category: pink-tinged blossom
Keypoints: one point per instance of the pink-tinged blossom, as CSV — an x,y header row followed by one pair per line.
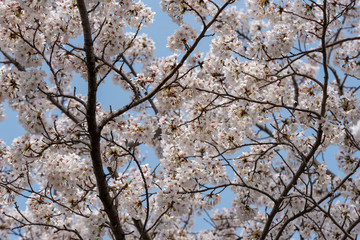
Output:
x,y
182,38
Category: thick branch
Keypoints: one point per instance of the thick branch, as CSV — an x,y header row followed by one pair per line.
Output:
x,y
317,143
94,132
13,61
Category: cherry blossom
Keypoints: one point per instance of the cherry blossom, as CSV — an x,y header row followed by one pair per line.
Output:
x,y
258,134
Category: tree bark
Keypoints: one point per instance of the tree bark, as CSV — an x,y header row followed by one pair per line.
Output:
x,y
93,130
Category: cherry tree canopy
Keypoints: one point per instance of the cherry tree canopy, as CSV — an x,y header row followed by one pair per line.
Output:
x,y
255,116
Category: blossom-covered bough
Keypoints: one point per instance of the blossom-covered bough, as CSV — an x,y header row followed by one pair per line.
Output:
x,y
256,116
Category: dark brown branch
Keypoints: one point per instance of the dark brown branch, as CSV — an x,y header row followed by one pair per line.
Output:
x,y
13,61
94,131
318,141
